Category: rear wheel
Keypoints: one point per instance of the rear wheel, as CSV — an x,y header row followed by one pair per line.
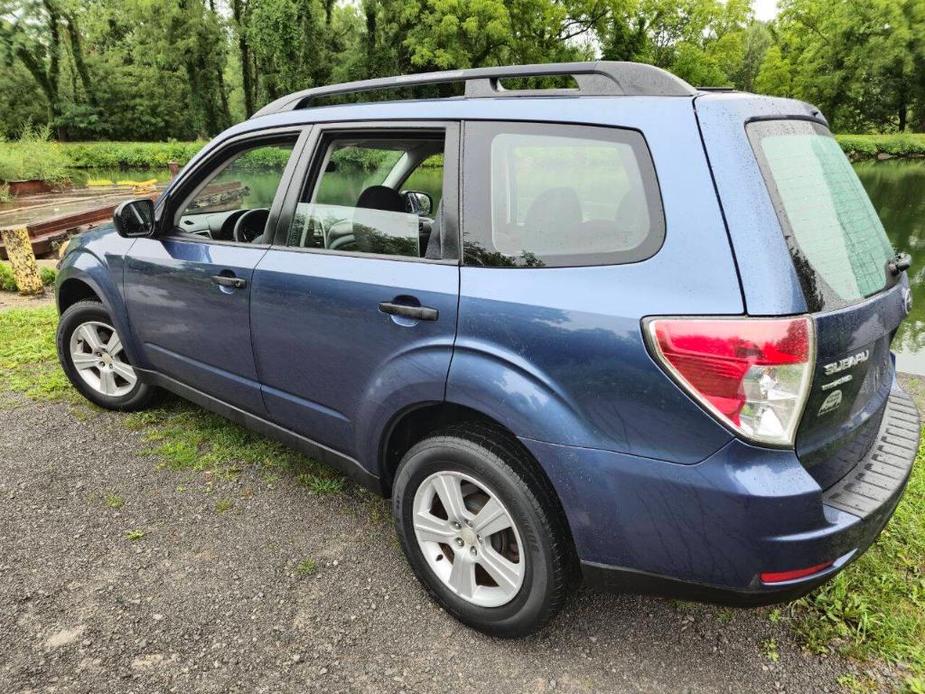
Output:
x,y
93,358
482,531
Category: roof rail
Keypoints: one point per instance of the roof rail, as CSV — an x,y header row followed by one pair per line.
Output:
x,y
601,78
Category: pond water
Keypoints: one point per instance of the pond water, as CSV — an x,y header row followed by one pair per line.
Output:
x,y
897,189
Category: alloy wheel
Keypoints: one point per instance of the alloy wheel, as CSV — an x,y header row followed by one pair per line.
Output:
x,y
97,355
469,539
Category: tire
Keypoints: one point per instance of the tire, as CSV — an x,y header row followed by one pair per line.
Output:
x,y
106,383
485,463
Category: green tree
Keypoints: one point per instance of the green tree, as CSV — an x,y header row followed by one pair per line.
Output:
x,y
861,62
705,42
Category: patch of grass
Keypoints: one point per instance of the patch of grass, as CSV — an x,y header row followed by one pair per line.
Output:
x,y
321,484
185,437
134,535
876,607
857,685
28,361
306,567
114,500
770,650
223,505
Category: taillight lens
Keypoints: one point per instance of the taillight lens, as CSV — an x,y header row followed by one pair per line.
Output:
x,y
752,373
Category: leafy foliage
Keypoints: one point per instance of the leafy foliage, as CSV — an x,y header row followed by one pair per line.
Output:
x,y
116,155
860,62
185,69
32,156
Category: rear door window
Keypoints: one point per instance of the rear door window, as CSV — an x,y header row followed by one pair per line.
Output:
x,y
838,244
550,195
377,193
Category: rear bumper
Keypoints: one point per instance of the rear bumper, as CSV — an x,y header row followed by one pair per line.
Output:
x,y
707,531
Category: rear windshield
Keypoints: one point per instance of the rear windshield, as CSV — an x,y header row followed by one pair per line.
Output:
x,y
838,243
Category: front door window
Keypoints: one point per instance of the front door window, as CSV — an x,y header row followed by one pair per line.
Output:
x,y
234,202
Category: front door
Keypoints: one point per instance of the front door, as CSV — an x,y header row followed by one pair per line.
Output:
x,y
188,290
354,309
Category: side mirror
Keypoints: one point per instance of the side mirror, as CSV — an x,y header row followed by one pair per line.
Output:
x,y
418,202
134,218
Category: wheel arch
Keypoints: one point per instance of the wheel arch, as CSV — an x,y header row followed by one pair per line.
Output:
x,y
74,289
83,277
415,423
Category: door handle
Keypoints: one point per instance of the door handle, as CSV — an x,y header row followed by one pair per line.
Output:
x,y
415,312
226,281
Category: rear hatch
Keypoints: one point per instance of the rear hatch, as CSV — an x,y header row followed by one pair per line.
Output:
x,y
840,260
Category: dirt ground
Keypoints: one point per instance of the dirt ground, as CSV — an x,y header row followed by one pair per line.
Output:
x,y
117,575
15,300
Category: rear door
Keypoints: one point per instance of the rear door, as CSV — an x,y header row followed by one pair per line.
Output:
x,y
354,307
834,263
841,254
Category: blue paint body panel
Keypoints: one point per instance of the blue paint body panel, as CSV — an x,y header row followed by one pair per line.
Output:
x,y
649,482
333,366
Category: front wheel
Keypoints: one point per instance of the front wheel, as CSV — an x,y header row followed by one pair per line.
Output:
x,y
91,353
482,531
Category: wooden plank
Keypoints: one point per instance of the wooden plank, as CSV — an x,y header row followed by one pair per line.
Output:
x,y
45,231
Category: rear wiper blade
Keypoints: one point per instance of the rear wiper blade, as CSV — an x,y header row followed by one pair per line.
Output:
x,y
899,263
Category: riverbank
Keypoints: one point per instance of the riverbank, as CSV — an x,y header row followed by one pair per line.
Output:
x,y
129,155
33,157
883,146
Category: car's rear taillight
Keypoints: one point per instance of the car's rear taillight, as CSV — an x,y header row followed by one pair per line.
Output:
x,y
794,574
752,373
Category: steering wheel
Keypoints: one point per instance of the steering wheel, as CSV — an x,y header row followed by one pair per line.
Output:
x,y
338,234
250,225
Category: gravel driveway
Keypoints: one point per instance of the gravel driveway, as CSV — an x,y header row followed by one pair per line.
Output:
x,y
207,600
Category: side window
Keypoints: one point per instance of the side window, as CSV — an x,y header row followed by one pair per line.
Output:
x,y
233,204
377,193
546,195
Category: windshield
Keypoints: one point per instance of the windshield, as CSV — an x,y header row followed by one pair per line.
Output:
x,y
836,239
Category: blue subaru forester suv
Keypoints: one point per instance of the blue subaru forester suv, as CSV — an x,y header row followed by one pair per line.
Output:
x,y
623,330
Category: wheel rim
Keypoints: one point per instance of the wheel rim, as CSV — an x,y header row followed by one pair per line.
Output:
x,y
97,355
469,539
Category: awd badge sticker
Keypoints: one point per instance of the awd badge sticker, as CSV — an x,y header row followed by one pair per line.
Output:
x,y
832,402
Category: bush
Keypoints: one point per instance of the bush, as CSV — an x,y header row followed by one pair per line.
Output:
x,y
128,155
894,145
8,282
33,156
